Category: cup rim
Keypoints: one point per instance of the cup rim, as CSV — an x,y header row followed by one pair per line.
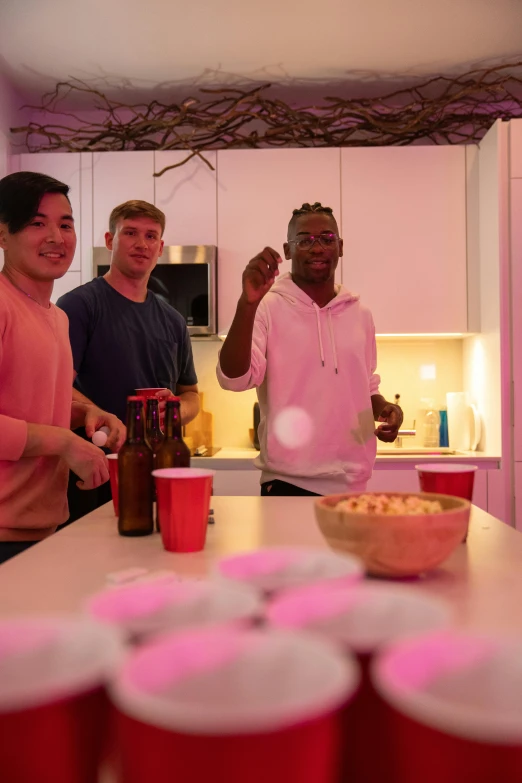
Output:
x,y
461,720
111,456
451,467
332,611
183,473
151,389
135,690
89,654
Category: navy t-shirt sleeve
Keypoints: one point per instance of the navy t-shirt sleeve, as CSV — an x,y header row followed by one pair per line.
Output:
x,y
187,373
80,316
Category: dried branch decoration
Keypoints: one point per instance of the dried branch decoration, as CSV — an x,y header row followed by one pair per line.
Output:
x,y
442,110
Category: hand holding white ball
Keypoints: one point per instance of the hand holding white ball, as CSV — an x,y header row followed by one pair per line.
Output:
x,y
100,436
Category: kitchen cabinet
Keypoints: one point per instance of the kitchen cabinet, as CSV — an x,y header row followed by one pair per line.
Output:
x,y
65,167
395,479
516,311
187,196
515,131
404,230
65,284
518,495
119,177
235,482
256,193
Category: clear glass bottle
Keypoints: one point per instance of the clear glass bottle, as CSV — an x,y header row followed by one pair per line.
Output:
x,y
431,434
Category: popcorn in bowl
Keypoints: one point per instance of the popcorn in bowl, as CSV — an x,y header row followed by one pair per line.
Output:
x,y
397,534
392,505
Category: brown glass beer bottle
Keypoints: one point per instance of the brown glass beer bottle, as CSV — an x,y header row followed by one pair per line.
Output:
x,y
135,465
153,434
173,452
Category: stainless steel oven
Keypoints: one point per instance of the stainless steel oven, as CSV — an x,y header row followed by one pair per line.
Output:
x,y
186,277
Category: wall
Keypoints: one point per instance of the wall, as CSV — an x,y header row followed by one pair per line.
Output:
x,y
399,364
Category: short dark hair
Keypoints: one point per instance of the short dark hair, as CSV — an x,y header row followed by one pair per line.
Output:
x,y
307,209
20,196
133,209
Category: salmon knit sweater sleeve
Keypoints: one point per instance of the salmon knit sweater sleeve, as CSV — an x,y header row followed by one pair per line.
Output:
x,y
36,377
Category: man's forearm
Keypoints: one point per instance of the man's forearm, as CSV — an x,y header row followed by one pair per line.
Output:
x,y
236,353
189,406
79,407
45,440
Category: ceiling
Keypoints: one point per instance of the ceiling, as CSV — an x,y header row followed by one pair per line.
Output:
x,y
147,42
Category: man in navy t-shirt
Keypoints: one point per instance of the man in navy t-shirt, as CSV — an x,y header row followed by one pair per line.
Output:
x,y
123,336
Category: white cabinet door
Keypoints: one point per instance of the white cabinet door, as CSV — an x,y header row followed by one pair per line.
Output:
x,y
480,489
515,132
65,284
393,481
516,309
404,230
65,167
518,495
187,196
119,177
236,482
257,191
4,155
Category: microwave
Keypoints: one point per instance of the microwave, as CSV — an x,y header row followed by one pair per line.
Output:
x,y
185,277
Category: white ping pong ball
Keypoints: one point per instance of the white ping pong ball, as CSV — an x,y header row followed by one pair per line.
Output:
x,y
100,436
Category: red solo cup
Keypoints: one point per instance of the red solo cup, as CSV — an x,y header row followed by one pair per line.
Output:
x,y
234,706
455,707
146,609
273,570
183,503
447,479
150,393
53,706
113,475
361,619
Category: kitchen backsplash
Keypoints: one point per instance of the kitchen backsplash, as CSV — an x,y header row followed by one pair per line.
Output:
x,y
414,369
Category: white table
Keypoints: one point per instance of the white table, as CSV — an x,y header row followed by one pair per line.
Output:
x,y
482,579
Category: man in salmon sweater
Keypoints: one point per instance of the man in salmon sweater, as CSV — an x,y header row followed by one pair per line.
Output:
x,y
37,446
305,342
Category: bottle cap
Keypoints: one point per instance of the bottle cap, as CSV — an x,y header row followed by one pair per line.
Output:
x,y
173,398
136,399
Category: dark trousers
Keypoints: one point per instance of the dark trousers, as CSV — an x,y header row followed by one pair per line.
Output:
x,y
279,488
83,501
9,549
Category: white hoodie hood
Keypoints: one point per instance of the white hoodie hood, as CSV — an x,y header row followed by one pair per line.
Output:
x,y
295,296
322,361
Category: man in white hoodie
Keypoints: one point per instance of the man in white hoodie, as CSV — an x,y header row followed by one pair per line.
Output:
x,y
306,342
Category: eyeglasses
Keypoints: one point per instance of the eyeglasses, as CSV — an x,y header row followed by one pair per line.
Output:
x,y
306,242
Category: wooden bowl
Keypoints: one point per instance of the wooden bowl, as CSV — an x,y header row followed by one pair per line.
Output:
x,y
396,546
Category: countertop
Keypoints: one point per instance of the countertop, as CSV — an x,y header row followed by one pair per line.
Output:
x,y
482,579
243,458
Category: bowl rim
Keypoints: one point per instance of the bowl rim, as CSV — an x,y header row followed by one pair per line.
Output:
x,y
327,502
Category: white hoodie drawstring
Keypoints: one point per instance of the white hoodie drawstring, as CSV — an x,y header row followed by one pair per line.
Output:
x,y
332,339
319,333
